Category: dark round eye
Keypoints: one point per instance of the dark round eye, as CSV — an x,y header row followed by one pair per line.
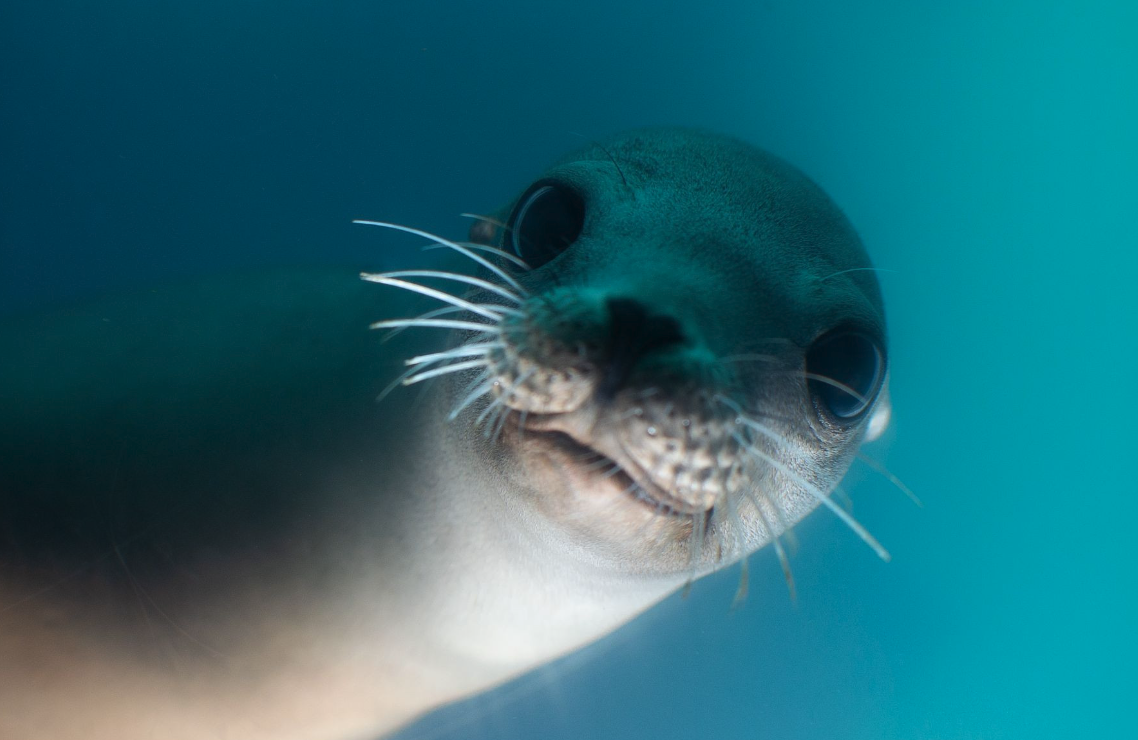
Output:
x,y
844,373
547,220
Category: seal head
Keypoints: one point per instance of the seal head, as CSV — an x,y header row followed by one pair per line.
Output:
x,y
696,350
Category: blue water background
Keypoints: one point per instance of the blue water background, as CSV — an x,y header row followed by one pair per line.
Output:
x,y
986,152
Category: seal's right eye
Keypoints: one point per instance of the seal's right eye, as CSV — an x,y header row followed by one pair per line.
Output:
x,y
547,219
845,373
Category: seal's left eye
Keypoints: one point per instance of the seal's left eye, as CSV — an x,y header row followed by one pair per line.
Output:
x,y
845,373
548,218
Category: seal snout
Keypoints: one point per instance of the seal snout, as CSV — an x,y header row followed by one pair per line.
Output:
x,y
626,395
634,333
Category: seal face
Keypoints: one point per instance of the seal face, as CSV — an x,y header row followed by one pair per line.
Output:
x,y
686,342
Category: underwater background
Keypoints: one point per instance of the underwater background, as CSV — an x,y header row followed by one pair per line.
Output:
x,y
987,153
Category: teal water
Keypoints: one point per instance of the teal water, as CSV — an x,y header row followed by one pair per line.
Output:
x,y
985,151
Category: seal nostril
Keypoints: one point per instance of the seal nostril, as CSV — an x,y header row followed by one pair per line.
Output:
x,y
629,321
633,334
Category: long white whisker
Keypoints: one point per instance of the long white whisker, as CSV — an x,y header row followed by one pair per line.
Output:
x,y
842,499
744,585
505,394
443,275
500,423
840,386
716,522
453,368
698,532
436,324
598,462
616,468
490,413
494,250
463,350
855,269
476,247
813,490
481,386
776,541
487,219
495,403
738,535
810,488
450,245
498,252
445,310
878,467
399,381
494,313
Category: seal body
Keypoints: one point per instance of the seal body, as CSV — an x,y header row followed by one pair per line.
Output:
x,y
659,356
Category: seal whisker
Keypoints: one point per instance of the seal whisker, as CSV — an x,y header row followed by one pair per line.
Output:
x,y
489,415
842,499
446,369
739,546
500,402
498,252
608,154
500,422
876,466
831,382
616,468
591,460
506,394
744,585
695,547
464,350
398,382
445,275
436,324
476,247
854,269
418,365
813,490
450,245
142,594
477,388
487,219
715,525
776,542
494,313
444,311
740,533
810,488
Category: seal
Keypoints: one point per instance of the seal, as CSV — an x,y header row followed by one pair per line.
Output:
x,y
655,360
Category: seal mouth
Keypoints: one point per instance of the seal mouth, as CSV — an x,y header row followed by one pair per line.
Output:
x,y
602,469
